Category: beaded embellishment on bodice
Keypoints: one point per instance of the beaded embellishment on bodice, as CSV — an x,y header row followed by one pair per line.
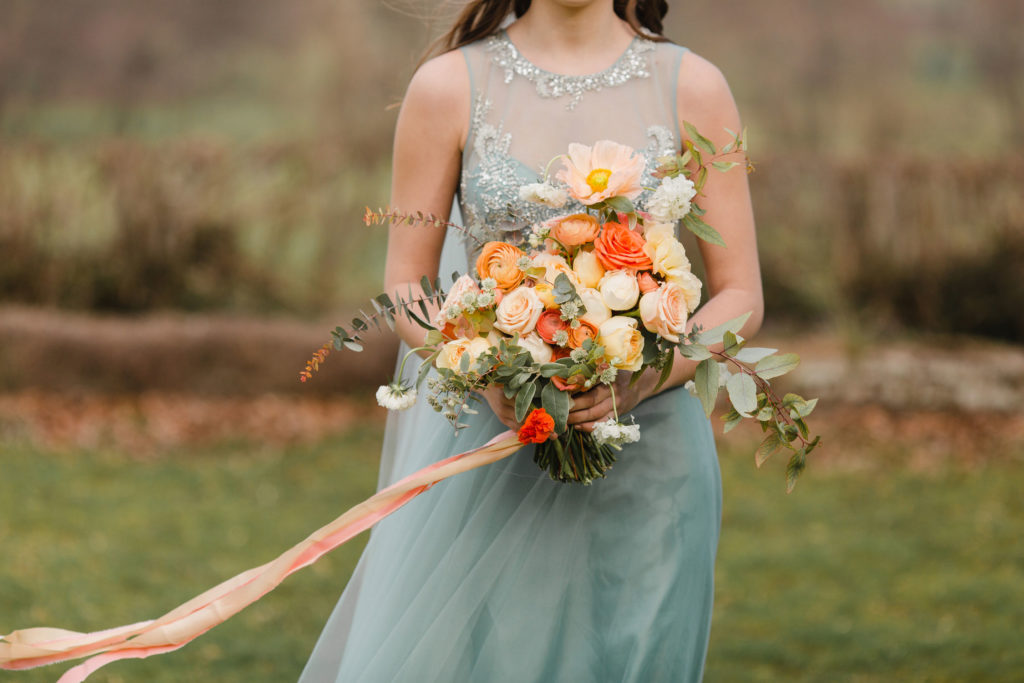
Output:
x,y
523,117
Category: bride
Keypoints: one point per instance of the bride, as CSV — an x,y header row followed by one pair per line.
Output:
x,y
501,574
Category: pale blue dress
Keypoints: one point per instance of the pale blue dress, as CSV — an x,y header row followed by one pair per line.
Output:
x,y
501,574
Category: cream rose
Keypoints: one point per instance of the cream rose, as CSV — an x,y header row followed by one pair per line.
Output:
x,y
540,351
664,311
451,354
518,311
619,289
623,343
597,310
668,256
588,268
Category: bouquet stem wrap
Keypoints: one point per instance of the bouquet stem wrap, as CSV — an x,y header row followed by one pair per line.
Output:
x,y
34,647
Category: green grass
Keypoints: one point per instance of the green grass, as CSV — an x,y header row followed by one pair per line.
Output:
x,y
865,575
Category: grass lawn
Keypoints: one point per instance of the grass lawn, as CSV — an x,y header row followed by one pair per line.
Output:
x,y
863,574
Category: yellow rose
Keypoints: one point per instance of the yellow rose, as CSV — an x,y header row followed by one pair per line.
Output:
x,y
668,256
588,268
546,293
623,343
451,353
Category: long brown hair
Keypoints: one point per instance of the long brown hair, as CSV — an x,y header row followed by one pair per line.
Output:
x,y
481,18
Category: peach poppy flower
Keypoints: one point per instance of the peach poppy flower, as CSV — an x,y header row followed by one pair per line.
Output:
x,y
605,170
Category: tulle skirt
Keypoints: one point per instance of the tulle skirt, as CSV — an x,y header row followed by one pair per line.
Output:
x,y
501,574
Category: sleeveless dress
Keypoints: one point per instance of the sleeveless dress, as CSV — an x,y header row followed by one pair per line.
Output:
x,y
501,574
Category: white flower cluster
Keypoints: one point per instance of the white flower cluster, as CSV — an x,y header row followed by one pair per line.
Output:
x,y
672,200
544,193
538,234
613,433
396,396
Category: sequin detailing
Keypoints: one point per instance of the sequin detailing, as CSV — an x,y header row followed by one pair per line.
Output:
x,y
632,64
489,189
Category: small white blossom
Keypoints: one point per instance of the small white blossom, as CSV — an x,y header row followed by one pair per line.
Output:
x,y
570,309
524,263
453,312
615,434
609,375
396,396
488,284
544,193
561,337
485,300
579,355
672,200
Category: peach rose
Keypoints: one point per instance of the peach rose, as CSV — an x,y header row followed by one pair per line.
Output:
x,y
574,230
451,353
623,343
619,248
588,268
499,260
518,311
605,170
665,311
549,323
578,335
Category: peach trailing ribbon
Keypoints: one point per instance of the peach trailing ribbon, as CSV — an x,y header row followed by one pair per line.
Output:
x,y
34,647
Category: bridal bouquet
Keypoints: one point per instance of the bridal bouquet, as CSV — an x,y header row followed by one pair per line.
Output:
x,y
595,291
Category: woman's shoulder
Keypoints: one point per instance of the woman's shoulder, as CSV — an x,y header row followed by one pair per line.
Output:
x,y
703,94
441,79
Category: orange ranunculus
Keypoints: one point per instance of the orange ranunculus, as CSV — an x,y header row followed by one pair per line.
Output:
x,y
574,230
500,260
580,334
549,323
537,427
605,170
619,248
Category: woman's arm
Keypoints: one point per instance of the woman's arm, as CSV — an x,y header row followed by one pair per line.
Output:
x,y
429,138
733,273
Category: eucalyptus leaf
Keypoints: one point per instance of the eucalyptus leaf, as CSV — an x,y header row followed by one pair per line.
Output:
x,y
694,351
776,366
742,393
702,230
715,334
753,354
796,466
706,382
621,204
732,343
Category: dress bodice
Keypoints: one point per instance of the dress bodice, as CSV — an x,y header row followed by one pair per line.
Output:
x,y
524,116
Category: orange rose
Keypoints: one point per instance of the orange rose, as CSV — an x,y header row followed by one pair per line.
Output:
x,y
619,248
574,384
549,323
580,334
499,260
575,230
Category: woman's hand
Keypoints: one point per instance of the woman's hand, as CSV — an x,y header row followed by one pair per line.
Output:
x,y
591,407
504,408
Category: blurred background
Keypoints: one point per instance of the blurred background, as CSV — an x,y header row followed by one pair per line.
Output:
x,y
181,187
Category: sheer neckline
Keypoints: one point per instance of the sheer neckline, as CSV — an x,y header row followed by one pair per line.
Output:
x,y
631,64
507,39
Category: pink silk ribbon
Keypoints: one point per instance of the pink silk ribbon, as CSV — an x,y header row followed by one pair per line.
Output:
x,y
34,647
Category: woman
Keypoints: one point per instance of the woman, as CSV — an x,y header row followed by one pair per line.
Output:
x,y
501,574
